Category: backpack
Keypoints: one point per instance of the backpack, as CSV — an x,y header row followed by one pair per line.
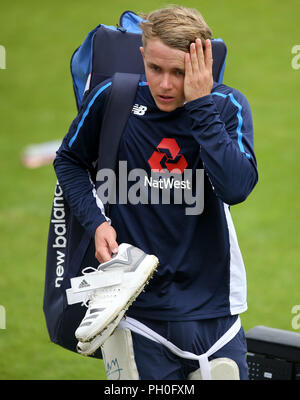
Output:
x,y
69,246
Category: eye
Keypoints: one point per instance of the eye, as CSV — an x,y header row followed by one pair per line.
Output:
x,y
155,68
179,73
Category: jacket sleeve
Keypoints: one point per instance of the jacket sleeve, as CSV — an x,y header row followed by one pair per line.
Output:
x,y
75,160
221,123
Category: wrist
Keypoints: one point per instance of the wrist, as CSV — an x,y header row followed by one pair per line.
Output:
x,y
101,226
199,101
196,97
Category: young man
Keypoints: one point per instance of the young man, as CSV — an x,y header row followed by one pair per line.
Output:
x,y
187,123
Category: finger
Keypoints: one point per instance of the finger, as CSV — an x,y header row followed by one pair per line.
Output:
x,y
105,251
200,54
187,65
113,246
194,59
103,254
208,58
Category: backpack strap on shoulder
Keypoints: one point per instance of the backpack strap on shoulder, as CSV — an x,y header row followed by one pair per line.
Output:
x,y
117,111
118,108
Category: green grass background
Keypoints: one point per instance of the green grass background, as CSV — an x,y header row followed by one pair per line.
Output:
x,y
37,105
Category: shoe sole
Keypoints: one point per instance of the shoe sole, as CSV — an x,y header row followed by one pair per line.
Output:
x,y
97,331
89,348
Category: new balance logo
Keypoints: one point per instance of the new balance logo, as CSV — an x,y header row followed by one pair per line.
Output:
x,y
139,110
83,284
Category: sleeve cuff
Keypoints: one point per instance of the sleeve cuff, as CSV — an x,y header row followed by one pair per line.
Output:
x,y
202,101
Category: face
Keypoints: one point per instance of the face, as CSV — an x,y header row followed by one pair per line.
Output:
x,y
164,67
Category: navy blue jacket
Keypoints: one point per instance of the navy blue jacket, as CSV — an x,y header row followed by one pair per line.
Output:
x,y
201,272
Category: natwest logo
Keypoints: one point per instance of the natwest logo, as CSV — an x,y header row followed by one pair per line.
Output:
x,y
167,156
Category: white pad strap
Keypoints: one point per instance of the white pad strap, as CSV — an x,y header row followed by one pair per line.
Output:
x,y
143,330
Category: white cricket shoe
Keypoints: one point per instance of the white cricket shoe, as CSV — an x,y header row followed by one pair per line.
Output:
x,y
89,348
109,304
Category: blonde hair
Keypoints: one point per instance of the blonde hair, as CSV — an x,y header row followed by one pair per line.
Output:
x,y
175,26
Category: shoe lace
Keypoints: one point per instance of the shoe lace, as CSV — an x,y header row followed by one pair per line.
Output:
x,y
84,271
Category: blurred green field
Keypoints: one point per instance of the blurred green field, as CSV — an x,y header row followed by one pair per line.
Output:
x,y
37,105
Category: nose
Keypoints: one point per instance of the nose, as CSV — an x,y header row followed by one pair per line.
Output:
x,y
165,82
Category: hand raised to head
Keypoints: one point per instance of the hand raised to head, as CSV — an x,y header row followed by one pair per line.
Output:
x,y
198,80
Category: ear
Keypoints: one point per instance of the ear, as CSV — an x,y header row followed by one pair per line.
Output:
x,y
142,52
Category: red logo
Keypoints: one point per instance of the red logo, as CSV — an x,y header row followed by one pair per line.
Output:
x,y
166,156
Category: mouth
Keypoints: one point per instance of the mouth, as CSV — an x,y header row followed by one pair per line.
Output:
x,y
165,99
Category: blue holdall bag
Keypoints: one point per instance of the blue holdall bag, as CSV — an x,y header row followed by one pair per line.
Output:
x,y
70,248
